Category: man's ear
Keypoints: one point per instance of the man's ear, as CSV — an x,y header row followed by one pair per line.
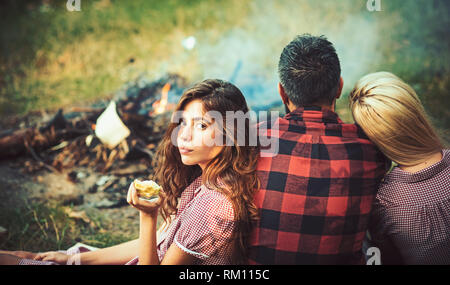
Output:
x,y
282,93
341,85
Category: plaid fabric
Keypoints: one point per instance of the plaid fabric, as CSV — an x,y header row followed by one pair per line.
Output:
x,y
411,217
316,192
26,261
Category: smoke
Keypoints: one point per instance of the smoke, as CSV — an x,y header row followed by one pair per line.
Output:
x,y
356,48
241,57
248,55
407,38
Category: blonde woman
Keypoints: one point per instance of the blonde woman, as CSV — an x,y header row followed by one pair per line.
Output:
x,y
411,217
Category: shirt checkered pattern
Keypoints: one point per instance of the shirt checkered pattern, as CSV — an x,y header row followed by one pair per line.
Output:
x,y
316,193
411,219
203,226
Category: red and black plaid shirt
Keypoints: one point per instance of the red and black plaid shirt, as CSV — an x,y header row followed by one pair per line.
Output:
x,y
316,191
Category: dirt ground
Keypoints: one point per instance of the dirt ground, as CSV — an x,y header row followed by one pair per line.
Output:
x,y
103,207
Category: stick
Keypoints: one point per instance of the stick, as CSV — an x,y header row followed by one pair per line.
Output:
x,y
30,149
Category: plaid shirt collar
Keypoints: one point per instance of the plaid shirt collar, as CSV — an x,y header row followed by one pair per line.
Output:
x,y
314,114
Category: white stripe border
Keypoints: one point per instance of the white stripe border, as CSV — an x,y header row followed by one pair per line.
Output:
x,y
190,251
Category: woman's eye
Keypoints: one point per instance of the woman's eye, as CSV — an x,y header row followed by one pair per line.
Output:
x,y
183,123
201,126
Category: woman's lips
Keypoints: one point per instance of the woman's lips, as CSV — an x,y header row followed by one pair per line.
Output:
x,y
184,150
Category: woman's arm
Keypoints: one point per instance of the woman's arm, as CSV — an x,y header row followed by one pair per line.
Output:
x,y
176,256
147,234
148,213
147,246
118,254
147,239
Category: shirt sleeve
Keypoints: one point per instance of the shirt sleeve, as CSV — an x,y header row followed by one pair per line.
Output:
x,y
206,227
381,235
413,234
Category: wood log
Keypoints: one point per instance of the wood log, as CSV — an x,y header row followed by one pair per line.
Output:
x,y
14,143
38,138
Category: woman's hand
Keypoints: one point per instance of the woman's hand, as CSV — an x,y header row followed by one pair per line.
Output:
x,y
19,253
146,207
55,256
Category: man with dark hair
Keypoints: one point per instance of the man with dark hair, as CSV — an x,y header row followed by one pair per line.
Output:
x,y
317,191
310,72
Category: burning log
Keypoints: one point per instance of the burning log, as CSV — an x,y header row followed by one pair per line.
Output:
x,y
160,105
75,138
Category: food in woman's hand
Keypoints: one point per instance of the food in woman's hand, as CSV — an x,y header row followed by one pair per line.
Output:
x,y
147,189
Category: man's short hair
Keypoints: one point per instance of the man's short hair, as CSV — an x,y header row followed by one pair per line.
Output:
x,y
310,71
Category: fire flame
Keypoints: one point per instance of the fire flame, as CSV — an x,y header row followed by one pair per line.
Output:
x,y
160,105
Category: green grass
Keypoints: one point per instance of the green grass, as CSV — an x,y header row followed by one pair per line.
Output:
x,y
36,227
46,226
51,57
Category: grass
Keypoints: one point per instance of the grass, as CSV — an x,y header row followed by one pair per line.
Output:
x,y
51,57
46,226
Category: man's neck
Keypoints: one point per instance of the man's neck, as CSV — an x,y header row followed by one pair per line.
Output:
x,y
332,108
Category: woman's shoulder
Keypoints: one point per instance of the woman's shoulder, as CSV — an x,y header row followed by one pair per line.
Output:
x,y
214,202
423,188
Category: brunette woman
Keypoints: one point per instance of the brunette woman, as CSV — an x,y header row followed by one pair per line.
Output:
x,y
207,179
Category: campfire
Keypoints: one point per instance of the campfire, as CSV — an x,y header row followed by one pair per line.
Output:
x,y
115,137
160,105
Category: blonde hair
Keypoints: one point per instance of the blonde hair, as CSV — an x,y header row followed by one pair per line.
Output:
x,y
391,114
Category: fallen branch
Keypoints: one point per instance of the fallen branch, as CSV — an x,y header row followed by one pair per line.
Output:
x,y
13,144
36,157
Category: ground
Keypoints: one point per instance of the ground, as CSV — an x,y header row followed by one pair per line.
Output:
x,y
46,211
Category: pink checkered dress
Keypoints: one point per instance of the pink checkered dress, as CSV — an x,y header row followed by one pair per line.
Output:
x,y
203,227
411,219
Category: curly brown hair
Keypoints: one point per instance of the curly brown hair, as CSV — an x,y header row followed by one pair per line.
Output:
x,y
234,166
